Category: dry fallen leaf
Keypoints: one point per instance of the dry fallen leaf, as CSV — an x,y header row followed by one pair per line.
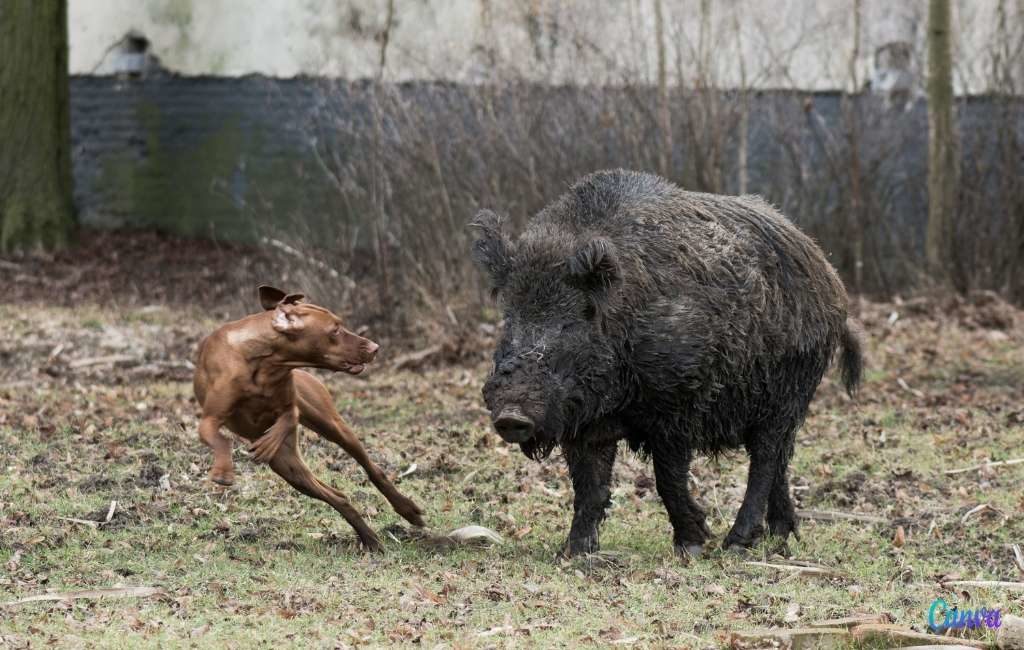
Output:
x,y
468,534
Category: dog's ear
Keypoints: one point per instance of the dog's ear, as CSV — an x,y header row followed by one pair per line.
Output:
x,y
287,320
271,297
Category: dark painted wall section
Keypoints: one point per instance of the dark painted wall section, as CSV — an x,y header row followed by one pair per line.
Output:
x,y
224,157
197,156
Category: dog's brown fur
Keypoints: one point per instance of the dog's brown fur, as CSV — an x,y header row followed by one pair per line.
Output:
x,y
247,379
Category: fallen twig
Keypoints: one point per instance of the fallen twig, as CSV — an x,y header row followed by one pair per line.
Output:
x,y
797,568
1018,557
800,637
983,507
496,630
989,464
111,592
998,584
893,635
413,360
84,522
110,359
829,515
850,621
905,386
91,522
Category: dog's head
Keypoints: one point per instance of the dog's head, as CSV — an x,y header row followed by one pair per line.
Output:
x,y
314,336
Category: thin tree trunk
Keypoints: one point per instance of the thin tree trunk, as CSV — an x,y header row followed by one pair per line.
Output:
x,y
857,213
942,181
664,115
744,136
35,134
385,39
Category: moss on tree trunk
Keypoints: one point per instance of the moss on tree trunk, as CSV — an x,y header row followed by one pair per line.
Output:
x,y
35,132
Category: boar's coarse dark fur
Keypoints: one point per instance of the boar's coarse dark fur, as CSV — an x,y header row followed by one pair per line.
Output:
x,y
682,322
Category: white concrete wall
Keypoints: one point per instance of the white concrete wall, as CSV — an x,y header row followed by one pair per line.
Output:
x,y
771,43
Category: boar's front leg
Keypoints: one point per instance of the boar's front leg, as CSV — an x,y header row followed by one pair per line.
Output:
x,y
671,472
590,467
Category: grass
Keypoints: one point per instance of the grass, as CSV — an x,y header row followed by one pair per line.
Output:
x,y
259,564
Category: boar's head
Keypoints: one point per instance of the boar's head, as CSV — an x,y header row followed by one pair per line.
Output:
x,y
558,364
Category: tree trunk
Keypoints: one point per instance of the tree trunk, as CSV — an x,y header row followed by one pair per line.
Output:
x,y
35,132
942,182
664,113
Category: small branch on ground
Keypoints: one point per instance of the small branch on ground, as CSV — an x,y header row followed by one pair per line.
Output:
x,y
797,568
995,584
112,592
830,515
988,464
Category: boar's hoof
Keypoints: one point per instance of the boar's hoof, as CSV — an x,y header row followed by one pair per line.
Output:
x,y
512,425
784,527
737,541
689,550
580,546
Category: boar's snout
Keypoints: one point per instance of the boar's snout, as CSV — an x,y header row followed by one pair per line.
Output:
x,y
512,425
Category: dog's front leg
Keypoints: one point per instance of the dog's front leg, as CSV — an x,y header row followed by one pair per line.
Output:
x,y
264,448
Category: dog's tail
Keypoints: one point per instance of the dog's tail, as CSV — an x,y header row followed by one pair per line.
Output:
x,y
851,356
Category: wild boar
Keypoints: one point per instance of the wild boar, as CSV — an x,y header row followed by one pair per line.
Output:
x,y
684,323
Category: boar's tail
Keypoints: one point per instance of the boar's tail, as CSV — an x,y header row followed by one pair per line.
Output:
x,y
851,357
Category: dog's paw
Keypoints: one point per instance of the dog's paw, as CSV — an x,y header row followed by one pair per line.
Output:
x,y
409,511
225,477
372,543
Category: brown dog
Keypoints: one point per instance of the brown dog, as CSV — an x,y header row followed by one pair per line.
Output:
x,y
247,380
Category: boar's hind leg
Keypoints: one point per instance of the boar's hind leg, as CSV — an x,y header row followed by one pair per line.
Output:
x,y
767,486
671,471
591,470
781,513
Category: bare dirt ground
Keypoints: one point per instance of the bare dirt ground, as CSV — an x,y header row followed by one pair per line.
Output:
x,y
103,487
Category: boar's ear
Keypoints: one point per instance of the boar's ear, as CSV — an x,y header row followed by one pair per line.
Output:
x,y
270,296
491,250
594,267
